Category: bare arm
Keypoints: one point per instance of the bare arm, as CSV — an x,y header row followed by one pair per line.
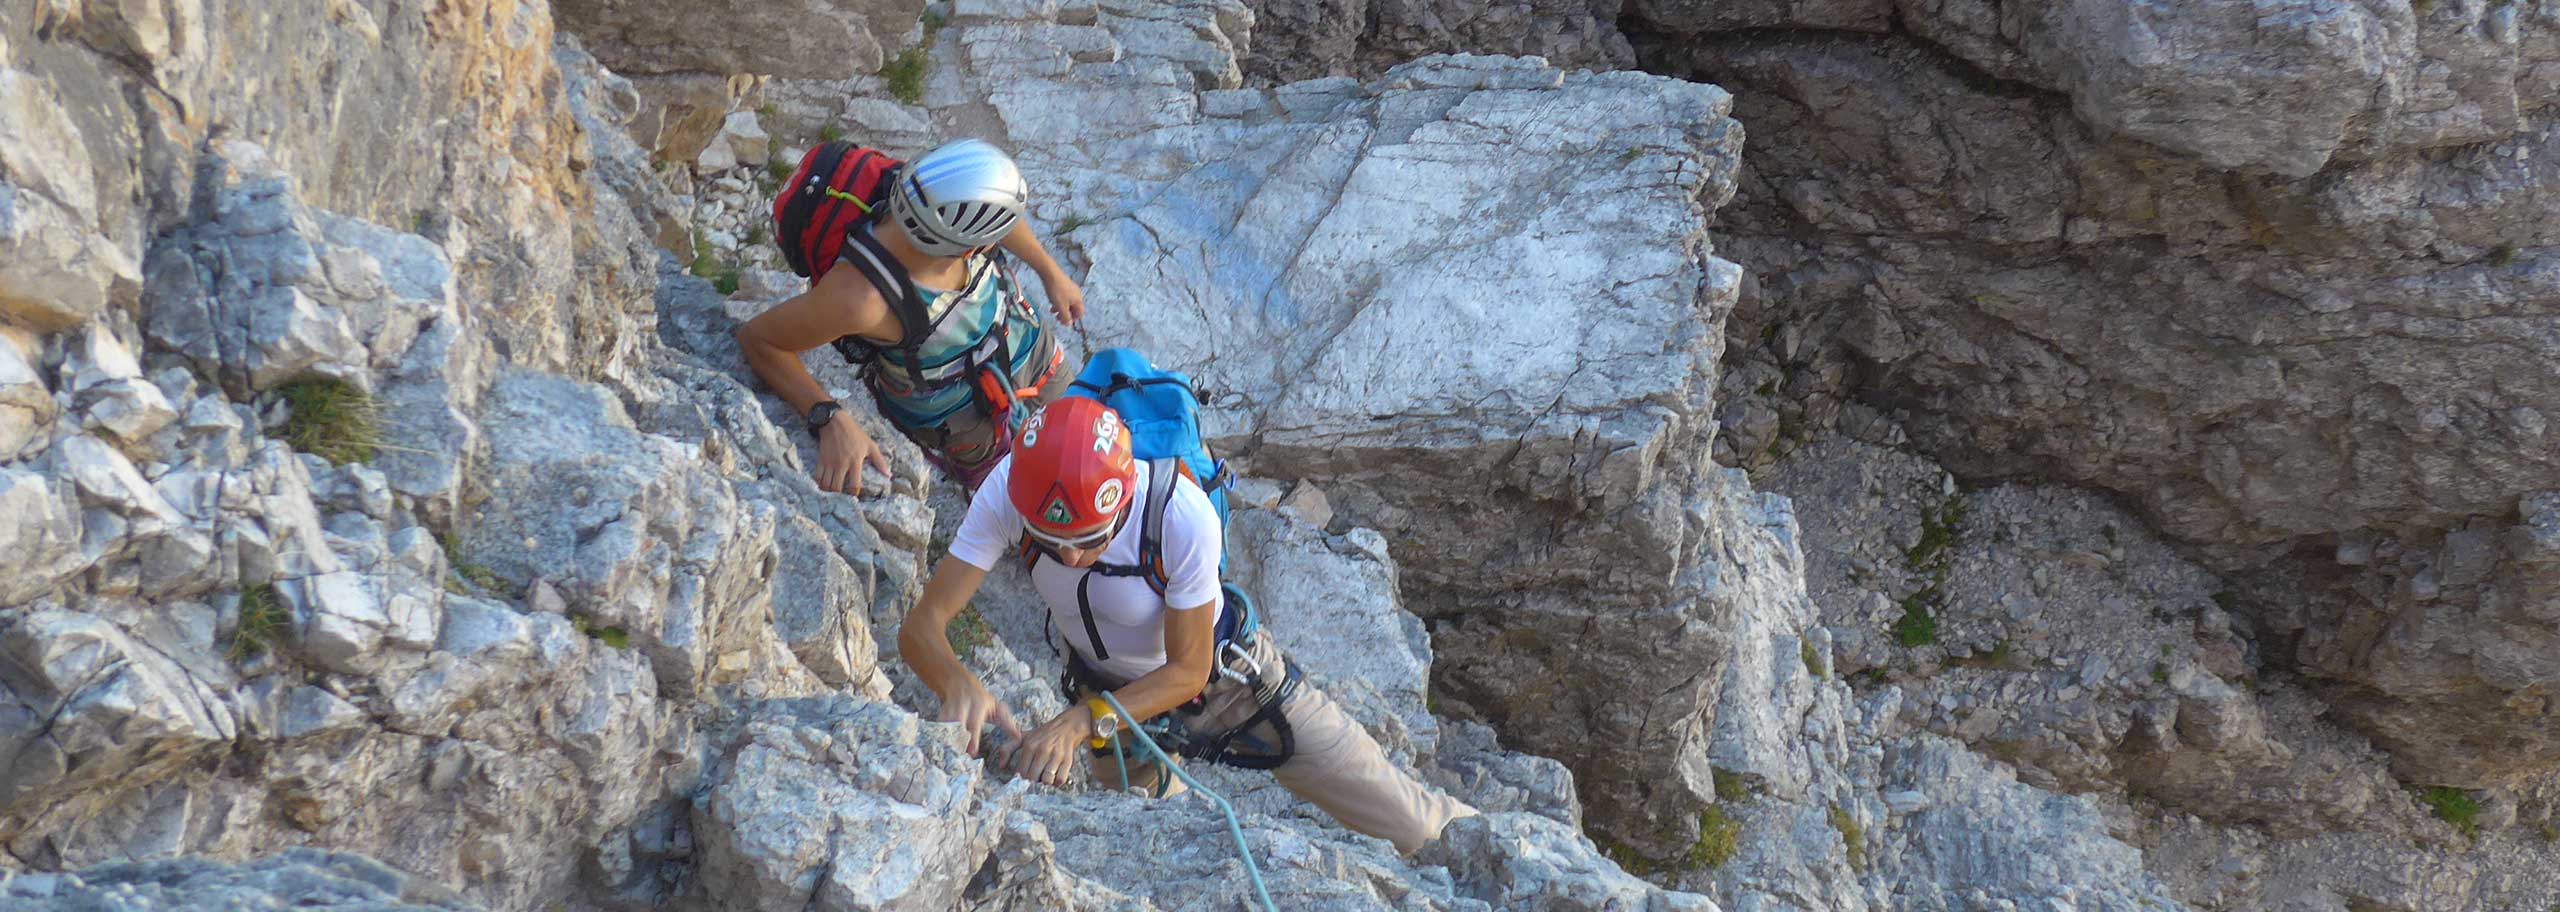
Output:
x,y
840,304
1048,753
1189,651
1066,299
926,647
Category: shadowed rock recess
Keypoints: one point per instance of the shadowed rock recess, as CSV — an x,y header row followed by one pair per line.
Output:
x,y
388,521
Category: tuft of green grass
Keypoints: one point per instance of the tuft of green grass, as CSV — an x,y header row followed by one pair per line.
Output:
x,y
1917,627
615,637
459,572
1852,836
1812,658
2159,672
1069,224
2504,256
262,623
906,75
968,631
1719,837
707,264
2456,806
1730,786
331,419
1933,554
1937,534
829,133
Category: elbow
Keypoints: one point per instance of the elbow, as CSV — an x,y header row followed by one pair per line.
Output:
x,y
1195,679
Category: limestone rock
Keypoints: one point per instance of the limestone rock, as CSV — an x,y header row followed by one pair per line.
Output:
x,y
26,402
1519,861
54,272
1303,39
267,291
56,267
1495,441
301,878
644,545
678,114
746,139
40,531
107,383
834,804
1885,246
1332,602
85,705
819,39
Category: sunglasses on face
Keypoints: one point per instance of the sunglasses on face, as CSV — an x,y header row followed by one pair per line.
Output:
x,y
1082,543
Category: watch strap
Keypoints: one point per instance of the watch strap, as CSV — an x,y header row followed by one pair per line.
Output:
x,y
822,413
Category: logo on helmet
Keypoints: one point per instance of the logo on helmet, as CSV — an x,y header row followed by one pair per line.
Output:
x,y
1031,430
1057,513
1106,500
1106,429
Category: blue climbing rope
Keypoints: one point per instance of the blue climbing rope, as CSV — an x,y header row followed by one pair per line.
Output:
x,y
1166,763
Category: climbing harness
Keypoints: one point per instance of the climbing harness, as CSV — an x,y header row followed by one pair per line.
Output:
x,y
1236,746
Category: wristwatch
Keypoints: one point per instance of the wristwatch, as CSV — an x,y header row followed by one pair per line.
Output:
x,y
1105,722
822,413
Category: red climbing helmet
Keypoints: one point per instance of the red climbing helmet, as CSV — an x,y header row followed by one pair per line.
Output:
x,y
1072,470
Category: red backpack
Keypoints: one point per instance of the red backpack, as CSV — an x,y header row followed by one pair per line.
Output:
x,y
837,186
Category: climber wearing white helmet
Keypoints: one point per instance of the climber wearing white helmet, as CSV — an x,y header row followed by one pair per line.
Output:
x,y
947,343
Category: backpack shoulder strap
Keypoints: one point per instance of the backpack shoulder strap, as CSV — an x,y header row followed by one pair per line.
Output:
x,y
864,252
1163,476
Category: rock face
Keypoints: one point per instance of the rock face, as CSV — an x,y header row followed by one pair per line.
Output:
x,y
579,630
812,39
842,805
2243,265
1310,39
219,646
1307,324
296,878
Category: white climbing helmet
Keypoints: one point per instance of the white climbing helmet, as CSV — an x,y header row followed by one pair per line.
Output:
x,y
960,196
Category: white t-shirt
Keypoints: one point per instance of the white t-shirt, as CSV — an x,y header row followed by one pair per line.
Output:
x,y
1126,611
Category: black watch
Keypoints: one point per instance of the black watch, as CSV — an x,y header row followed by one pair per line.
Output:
x,y
822,413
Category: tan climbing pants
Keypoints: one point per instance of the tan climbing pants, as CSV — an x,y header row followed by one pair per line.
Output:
x,y
1337,767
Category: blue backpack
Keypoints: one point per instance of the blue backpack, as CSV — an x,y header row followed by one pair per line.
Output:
x,y
1162,412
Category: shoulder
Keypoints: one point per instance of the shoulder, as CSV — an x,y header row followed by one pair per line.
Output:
x,y
847,295
1189,511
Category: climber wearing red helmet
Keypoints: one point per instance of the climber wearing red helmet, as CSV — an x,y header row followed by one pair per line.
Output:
x,y
1149,622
